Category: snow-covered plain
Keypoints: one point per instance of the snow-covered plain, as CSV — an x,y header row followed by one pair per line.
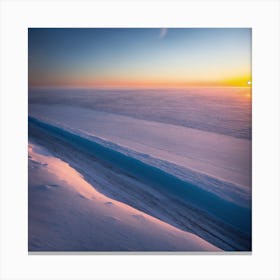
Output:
x,y
198,180
222,110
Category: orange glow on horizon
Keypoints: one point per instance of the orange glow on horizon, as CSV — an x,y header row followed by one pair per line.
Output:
x,y
241,81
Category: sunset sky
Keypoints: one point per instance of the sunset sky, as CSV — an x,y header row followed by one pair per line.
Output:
x,y
139,57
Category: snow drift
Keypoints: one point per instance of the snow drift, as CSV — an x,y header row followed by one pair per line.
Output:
x,y
68,214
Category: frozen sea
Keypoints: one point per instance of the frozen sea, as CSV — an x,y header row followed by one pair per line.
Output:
x,y
186,149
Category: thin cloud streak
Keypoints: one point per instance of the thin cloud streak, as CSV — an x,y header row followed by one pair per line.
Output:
x,y
163,32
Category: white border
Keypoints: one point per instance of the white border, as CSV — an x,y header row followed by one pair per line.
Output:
x,y
262,16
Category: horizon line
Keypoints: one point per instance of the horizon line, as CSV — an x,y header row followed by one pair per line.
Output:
x,y
128,88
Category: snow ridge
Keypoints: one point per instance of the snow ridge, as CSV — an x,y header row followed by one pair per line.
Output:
x,y
184,185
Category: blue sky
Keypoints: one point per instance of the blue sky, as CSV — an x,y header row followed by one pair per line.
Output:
x,y
89,57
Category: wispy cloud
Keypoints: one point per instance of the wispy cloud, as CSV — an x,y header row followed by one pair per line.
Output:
x,y
162,32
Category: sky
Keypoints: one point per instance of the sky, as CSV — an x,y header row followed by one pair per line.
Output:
x,y
139,57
